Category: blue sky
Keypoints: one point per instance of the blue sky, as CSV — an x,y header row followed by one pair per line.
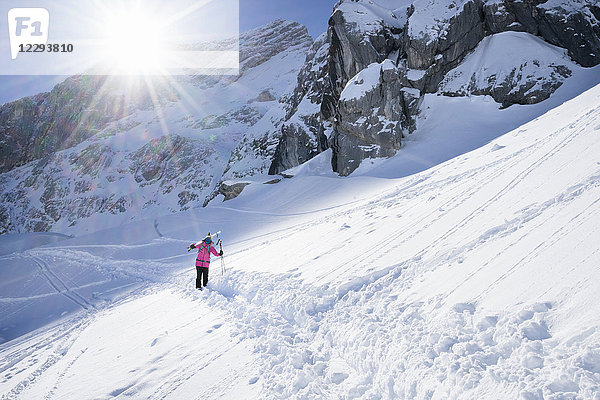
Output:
x,y
314,14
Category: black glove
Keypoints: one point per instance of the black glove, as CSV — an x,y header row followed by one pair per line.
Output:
x,y
193,246
221,253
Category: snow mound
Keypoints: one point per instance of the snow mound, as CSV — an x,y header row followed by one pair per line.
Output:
x,y
365,81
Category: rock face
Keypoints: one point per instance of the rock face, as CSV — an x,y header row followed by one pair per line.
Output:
x,y
296,146
73,111
257,150
493,69
302,133
76,184
374,110
383,59
231,191
260,45
570,24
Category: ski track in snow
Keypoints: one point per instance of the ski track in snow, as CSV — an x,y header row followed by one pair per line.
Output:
x,y
60,286
40,356
321,339
304,329
371,323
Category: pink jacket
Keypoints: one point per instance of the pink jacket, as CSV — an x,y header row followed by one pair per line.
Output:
x,y
203,258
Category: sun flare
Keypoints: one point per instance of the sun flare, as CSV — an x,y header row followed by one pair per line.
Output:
x,y
135,42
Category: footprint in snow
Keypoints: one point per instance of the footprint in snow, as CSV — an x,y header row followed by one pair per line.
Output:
x,y
462,307
487,322
525,315
158,339
217,326
119,391
591,361
534,331
533,361
338,377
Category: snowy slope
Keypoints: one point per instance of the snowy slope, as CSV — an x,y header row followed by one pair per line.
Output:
x,y
474,279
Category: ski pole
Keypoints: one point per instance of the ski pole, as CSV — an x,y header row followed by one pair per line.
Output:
x,y
222,259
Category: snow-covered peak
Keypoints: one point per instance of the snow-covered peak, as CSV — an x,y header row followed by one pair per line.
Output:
x,y
260,44
368,16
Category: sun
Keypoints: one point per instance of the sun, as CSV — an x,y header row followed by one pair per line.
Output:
x,y
135,42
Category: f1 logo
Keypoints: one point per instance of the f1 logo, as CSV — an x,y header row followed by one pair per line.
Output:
x,y
27,26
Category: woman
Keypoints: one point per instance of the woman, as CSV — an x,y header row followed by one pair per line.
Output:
x,y
204,247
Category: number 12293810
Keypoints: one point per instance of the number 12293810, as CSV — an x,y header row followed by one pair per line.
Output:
x,y
46,48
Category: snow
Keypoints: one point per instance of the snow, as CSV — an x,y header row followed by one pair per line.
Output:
x,y
18,242
448,127
516,57
463,267
570,6
431,18
369,15
365,81
476,278
317,166
212,118
415,74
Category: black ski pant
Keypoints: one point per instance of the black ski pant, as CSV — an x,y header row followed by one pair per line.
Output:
x,y
202,277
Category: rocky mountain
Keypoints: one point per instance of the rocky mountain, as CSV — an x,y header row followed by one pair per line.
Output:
x,y
302,134
98,151
97,146
75,110
385,55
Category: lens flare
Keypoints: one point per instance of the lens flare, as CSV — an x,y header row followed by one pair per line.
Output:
x,y
135,41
